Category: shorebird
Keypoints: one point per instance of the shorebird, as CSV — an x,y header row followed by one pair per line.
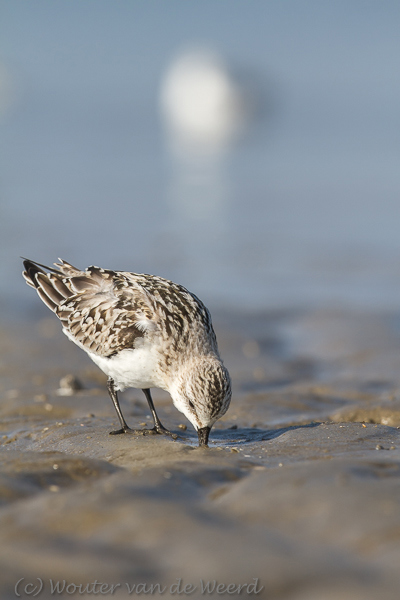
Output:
x,y
143,331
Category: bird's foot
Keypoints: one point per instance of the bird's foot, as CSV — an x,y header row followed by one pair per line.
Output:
x,y
160,430
123,430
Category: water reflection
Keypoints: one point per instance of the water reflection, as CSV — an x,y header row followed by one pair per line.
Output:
x,y
205,111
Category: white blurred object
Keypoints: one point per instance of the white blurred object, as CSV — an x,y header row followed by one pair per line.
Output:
x,y
204,108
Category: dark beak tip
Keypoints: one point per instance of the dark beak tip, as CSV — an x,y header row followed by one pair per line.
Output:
x,y
203,434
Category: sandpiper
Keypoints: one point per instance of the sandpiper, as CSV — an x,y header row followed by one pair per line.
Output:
x,y
142,331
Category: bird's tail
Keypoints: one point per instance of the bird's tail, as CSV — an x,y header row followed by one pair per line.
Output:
x,y
52,285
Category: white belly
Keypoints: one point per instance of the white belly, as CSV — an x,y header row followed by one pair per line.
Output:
x,y
137,368
131,368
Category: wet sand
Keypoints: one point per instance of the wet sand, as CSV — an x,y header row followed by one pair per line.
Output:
x,y
296,498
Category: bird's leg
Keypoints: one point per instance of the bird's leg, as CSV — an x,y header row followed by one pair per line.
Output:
x,y
158,426
114,398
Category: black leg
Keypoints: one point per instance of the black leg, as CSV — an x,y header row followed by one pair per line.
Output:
x,y
158,426
114,398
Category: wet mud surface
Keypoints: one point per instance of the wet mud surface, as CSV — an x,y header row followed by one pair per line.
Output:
x,y
298,495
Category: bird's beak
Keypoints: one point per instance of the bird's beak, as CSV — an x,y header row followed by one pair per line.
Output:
x,y
203,434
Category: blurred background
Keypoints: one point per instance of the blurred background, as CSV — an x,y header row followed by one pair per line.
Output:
x,y
248,150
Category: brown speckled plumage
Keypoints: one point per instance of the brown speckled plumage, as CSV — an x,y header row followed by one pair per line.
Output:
x,y
143,331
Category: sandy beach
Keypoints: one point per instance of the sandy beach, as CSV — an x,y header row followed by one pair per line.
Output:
x,y
297,496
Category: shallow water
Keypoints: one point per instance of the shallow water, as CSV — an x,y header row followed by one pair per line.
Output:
x,y
298,489
301,210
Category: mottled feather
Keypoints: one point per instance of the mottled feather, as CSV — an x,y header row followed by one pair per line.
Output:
x,y
142,331
106,311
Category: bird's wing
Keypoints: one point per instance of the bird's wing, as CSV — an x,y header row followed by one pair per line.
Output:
x,y
99,309
182,319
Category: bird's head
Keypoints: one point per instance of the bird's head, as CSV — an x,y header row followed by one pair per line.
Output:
x,y
203,394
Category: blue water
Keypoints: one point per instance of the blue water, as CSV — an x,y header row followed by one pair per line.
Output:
x,y
304,209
